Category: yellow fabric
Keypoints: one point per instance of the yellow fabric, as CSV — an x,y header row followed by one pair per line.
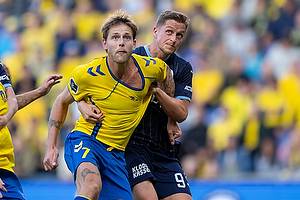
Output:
x,y
15,64
219,133
37,40
239,105
7,158
65,68
87,25
217,9
272,103
30,119
289,86
122,105
251,138
207,84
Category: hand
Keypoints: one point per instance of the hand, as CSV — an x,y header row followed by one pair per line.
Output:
x,y
174,130
50,160
152,90
2,188
49,82
90,112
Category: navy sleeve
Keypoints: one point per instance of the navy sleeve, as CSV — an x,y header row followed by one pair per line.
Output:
x,y
183,83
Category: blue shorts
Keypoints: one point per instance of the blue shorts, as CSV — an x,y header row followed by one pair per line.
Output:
x,y
80,147
165,173
12,185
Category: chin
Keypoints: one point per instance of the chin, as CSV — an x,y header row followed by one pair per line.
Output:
x,y
169,51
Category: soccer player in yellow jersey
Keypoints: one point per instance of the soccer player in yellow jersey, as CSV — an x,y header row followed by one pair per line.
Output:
x,y
8,107
120,85
10,187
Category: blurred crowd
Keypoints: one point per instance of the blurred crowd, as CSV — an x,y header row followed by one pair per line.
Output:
x,y
244,118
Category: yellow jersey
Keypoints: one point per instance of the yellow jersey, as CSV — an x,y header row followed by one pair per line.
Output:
x,y
7,158
122,105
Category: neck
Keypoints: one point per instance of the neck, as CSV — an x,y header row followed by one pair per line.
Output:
x,y
119,69
156,52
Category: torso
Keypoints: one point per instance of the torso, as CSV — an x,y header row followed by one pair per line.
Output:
x,y
129,76
152,130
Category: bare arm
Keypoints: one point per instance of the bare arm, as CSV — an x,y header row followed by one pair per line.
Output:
x,y
176,109
12,105
57,117
28,97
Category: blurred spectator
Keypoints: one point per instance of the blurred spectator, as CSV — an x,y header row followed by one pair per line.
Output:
x,y
265,162
281,65
234,160
195,138
282,26
239,39
209,82
87,21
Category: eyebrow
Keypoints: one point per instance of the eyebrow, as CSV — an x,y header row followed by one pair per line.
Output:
x,y
171,27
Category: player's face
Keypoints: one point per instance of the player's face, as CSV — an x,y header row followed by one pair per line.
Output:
x,y
169,36
120,43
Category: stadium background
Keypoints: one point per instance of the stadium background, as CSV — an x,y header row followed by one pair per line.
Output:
x,y
241,137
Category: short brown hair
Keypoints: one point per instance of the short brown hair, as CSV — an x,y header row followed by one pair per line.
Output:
x,y
119,17
175,15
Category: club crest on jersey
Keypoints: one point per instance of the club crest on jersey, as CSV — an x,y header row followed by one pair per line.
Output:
x,y
73,86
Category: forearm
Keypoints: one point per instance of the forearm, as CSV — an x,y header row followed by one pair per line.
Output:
x,y
176,109
12,104
57,118
28,97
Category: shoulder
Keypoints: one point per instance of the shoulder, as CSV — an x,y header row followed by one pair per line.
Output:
x,y
145,62
177,60
140,50
87,67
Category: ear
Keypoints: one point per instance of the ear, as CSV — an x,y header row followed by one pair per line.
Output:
x,y
155,30
104,44
134,44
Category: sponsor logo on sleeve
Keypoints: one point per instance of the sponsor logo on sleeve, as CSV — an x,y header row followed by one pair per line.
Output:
x,y
4,77
188,88
73,86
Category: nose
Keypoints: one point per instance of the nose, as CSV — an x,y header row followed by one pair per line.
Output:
x,y
121,42
173,37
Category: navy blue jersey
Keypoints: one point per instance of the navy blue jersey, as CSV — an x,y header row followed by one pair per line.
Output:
x,y
3,77
152,130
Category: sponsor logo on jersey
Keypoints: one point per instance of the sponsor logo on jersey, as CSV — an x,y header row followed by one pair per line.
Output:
x,y
139,170
188,88
4,77
78,147
73,86
133,98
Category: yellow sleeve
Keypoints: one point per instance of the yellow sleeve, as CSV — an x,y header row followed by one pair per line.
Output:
x,y
162,74
77,83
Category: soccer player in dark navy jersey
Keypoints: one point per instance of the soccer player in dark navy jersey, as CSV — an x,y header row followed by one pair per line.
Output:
x,y
151,154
